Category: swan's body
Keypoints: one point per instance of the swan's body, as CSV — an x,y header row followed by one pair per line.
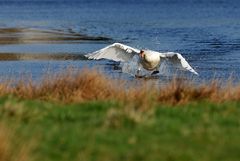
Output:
x,y
150,60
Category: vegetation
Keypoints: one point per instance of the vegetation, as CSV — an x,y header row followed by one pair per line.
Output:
x,y
86,116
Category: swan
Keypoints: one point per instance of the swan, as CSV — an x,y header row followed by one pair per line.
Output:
x,y
148,59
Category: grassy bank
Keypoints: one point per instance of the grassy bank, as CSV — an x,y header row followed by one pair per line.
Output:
x,y
82,116
34,130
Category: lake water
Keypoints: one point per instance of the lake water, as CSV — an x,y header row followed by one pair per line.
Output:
x,y
41,35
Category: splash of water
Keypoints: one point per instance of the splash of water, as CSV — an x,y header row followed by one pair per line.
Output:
x,y
166,69
131,67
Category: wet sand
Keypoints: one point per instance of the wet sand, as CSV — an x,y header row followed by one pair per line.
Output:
x,y
23,36
40,56
30,36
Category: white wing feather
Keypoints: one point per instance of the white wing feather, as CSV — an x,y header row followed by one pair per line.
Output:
x,y
179,59
116,52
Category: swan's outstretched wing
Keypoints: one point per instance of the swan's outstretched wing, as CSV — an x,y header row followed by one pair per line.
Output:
x,y
116,52
177,58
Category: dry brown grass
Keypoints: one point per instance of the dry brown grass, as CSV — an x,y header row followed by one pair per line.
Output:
x,y
89,85
68,86
178,92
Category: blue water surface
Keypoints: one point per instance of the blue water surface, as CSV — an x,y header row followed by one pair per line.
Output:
x,y
205,32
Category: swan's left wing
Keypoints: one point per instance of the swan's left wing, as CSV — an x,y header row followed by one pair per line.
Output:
x,y
177,58
116,52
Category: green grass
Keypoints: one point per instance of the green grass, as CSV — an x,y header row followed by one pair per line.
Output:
x,y
109,131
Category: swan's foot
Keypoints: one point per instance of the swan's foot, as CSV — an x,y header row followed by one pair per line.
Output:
x,y
138,74
155,72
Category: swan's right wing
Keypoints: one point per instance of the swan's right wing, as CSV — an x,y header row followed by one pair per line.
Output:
x,y
178,59
116,52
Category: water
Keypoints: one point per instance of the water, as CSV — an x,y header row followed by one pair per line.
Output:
x,y
205,32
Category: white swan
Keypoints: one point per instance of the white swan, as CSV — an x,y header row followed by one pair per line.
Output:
x,y
150,60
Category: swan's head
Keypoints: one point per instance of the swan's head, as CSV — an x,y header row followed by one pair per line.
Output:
x,y
144,55
141,54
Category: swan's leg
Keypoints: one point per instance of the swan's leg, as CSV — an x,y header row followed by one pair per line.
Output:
x,y
156,71
139,70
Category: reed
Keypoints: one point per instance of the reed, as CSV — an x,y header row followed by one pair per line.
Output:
x,y
89,85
